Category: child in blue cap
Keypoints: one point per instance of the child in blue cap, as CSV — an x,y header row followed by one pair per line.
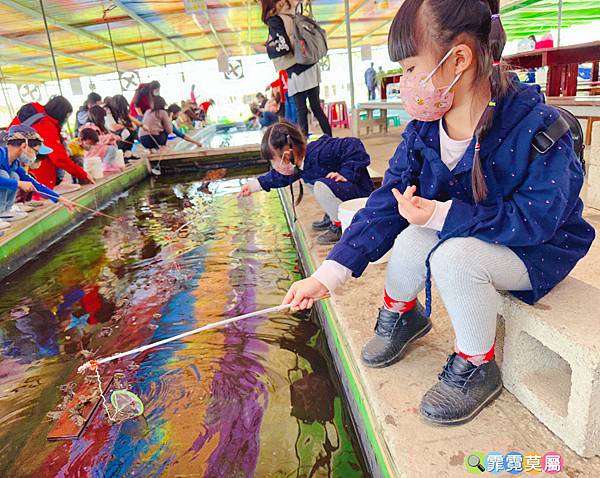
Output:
x,y
23,144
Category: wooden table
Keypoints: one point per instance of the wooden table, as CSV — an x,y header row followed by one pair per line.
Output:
x,y
371,122
563,65
586,108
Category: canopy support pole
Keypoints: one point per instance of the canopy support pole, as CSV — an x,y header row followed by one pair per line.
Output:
x,y
51,47
349,48
143,47
6,98
560,12
112,45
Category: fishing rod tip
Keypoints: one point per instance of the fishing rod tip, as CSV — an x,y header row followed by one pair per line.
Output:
x,y
91,365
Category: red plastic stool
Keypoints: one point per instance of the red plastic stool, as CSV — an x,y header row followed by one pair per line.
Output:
x,y
337,114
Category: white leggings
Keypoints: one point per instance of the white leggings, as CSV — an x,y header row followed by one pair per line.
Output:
x,y
328,201
468,273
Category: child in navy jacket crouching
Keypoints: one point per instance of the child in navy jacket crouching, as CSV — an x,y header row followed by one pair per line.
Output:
x,y
335,169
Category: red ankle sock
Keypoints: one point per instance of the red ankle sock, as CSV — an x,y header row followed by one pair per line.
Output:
x,y
479,359
394,305
337,223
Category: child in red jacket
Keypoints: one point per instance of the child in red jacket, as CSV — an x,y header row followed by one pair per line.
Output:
x,y
52,117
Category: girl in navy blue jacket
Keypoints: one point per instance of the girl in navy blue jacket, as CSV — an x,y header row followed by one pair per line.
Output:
x,y
335,169
482,195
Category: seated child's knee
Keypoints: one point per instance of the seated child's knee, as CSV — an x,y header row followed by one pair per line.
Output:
x,y
453,257
321,188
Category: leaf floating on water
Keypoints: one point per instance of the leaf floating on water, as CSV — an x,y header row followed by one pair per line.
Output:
x,y
68,388
120,383
132,366
78,420
54,415
86,353
157,316
106,332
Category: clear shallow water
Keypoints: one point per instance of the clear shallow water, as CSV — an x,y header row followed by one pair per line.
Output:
x,y
254,399
223,136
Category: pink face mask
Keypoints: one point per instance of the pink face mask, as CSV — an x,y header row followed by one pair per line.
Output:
x,y
421,99
284,167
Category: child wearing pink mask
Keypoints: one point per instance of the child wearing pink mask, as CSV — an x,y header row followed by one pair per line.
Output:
x,y
335,169
481,196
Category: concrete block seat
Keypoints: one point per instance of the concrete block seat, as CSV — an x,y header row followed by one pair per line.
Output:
x,y
551,361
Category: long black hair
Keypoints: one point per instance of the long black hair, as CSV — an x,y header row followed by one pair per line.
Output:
x,y
270,8
119,109
158,104
97,116
439,24
278,136
59,108
145,89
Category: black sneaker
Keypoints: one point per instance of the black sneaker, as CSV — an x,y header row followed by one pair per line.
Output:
x,y
331,236
463,391
323,224
393,334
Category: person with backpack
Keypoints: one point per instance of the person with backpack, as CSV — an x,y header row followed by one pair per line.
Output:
x,y
304,79
48,121
482,196
22,145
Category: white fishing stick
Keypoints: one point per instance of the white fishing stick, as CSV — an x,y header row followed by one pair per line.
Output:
x,y
93,364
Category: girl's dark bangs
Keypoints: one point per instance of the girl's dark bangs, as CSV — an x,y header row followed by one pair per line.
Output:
x,y
402,39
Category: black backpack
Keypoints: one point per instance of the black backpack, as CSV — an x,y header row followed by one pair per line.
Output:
x,y
545,140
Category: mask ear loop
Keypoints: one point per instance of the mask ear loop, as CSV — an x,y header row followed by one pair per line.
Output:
x,y
446,56
453,83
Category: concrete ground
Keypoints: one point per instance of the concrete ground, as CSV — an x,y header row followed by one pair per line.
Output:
x,y
393,393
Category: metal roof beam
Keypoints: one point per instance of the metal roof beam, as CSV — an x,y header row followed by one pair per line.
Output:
x,y
33,78
72,56
151,27
373,31
213,31
75,30
41,66
343,21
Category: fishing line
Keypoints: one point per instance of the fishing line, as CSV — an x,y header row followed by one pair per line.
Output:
x,y
95,211
156,169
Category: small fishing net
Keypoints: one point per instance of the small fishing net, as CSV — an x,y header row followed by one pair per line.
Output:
x,y
126,404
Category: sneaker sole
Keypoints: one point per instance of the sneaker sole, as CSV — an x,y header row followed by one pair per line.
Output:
x,y
424,331
471,416
327,243
320,228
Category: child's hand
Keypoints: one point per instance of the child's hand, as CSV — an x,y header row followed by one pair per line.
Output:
x,y
90,179
68,204
416,210
303,293
245,191
26,186
337,177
